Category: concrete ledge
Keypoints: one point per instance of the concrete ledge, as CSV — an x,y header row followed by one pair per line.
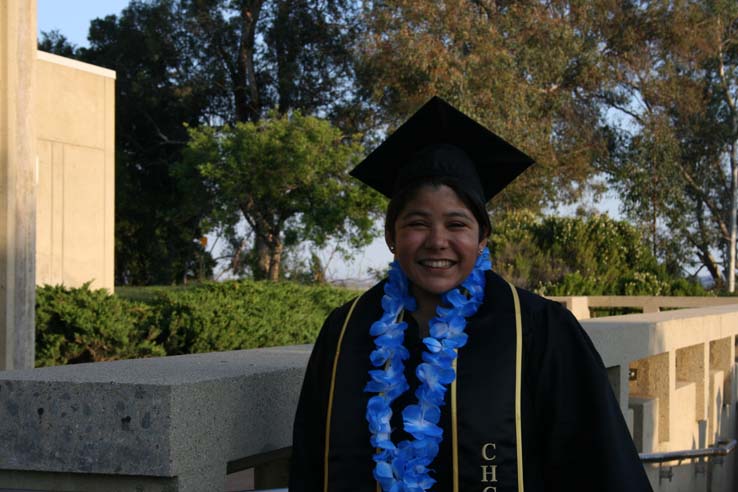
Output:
x,y
621,339
75,64
580,305
15,481
184,416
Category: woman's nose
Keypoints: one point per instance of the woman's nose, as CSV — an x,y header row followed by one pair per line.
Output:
x,y
437,238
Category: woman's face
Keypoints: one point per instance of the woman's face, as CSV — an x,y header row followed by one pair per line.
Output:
x,y
436,241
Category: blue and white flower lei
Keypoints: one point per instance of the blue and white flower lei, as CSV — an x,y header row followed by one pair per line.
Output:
x,y
404,467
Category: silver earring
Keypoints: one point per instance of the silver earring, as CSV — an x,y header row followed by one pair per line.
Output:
x,y
391,248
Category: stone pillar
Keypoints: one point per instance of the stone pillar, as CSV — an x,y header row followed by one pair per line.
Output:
x,y
18,179
651,305
579,306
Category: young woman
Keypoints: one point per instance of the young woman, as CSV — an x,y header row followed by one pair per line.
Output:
x,y
445,377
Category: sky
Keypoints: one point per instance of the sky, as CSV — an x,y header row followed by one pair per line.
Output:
x,y
72,19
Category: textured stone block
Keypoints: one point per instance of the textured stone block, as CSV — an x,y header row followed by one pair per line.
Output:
x,y
183,417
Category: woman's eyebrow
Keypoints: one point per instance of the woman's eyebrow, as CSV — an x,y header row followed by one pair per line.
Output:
x,y
410,213
424,213
458,213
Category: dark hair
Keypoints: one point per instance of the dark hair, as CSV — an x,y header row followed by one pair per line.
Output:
x,y
403,196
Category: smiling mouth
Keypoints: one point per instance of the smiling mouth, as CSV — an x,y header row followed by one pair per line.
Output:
x,y
437,263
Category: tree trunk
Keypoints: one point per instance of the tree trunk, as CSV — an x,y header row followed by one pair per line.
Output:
x,y
285,66
733,205
246,90
702,243
275,261
712,266
262,258
268,250
654,207
653,228
726,84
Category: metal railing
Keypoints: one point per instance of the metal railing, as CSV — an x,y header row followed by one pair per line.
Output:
x,y
723,448
714,453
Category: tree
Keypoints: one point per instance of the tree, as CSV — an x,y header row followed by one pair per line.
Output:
x,y
198,62
585,255
284,54
287,177
277,54
674,81
57,43
525,69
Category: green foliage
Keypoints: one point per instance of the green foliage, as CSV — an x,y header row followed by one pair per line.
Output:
x,y
288,54
244,314
57,43
146,294
527,70
595,255
84,325
287,176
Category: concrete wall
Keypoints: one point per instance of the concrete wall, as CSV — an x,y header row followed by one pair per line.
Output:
x,y
676,384
181,423
76,156
161,424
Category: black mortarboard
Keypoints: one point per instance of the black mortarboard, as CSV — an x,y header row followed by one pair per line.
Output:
x,y
440,140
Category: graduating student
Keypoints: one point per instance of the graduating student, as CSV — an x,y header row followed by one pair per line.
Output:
x,y
444,376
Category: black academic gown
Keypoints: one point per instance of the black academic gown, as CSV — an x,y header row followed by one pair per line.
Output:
x,y
574,436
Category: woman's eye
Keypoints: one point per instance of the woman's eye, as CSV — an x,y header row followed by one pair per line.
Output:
x,y
457,225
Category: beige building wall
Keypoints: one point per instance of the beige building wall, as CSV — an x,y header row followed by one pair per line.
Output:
x,y
75,104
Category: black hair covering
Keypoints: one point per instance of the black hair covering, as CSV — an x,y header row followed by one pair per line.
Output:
x,y
439,140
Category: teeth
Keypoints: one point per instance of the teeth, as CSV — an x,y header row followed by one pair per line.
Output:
x,y
437,263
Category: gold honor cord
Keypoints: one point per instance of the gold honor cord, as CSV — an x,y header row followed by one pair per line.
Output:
x,y
454,430
330,396
518,384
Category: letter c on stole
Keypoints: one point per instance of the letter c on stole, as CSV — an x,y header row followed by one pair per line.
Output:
x,y
484,451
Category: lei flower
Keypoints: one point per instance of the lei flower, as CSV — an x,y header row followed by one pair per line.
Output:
x,y
404,467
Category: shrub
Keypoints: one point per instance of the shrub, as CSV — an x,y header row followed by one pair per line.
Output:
x,y
84,325
243,314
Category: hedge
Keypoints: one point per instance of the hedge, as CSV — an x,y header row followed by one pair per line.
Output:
x,y
84,325
243,314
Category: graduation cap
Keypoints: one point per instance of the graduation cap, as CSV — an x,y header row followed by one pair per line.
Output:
x,y
439,140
